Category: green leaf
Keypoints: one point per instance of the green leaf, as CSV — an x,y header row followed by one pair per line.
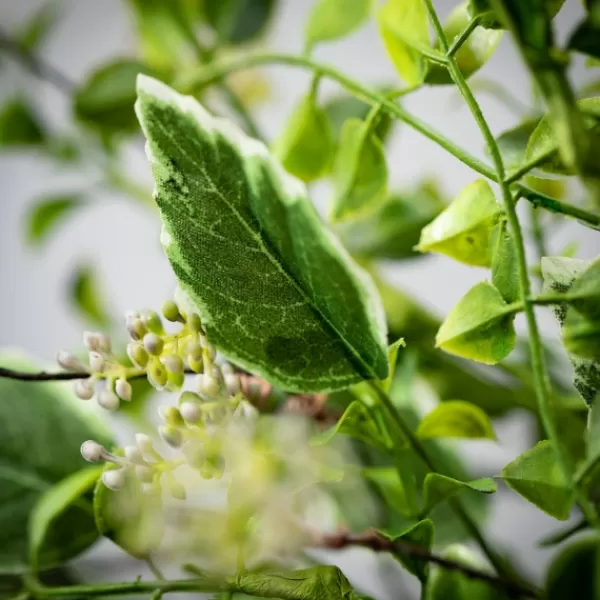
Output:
x,y
561,535
387,481
105,100
36,29
420,534
130,518
581,335
475,51
62,524
463,230
42,426
575,571
20,126
276,292
439,488
403,28
360,172
536,475
559,273
488,17
394,229
358,423
47,214
480,327
85,294
306,147
333,19
456,419
586,37
505,265
584,294
512,143
445,584
239,21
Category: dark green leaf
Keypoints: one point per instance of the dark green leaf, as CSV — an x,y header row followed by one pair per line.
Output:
x,y
574,573
85,293
439,488
456,419
333,19
488,18
36,29
505,269
558,537
288,303
238,21
42,426
463,230
360,172
389,484
105,101
513,143
586,37
20,126
581,335
584,294
480,327
62,523
537,476
47,214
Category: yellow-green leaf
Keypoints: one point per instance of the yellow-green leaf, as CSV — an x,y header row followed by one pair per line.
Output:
x,y
505,270
439,488
87,298
456,419
333,19
47,214
463,230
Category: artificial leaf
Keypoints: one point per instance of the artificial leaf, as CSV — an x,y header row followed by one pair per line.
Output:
x,y
345,106
512,143
559,273
403,28
505,265
537,476
439,488
573,573
20,126
47,214
333,19
357,422
62,523
456,419
420,534
306,146
360,172
475,51
394,229
463,230
480,327
42,427
276,292
238,21
85,294
445,584
389,484
132,519
105,100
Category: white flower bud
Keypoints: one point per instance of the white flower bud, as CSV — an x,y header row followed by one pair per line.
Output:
x,y
144,474
133,454
91,341
137,354
84,388
70,362
153,344
92,451
123,389
172,363
144,443
208,385
114,479
150,489
171,435
97,362
227,369
108,400
190,411
232,382
104,342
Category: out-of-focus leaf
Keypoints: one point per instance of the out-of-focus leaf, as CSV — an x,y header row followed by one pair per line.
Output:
x,y
238,21
37,28
388,482
47,214
512,143
586,37
456,419
488,18
439,488
505,269
333,19
20,126
85,293
475,51
561,535
463,230
581,335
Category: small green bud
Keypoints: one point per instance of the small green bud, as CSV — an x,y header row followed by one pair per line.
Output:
x,y
194,322
157,374
153,344
195,364
171,312
137,354
171,435
175,381
153,323
173,363
170,415
137,330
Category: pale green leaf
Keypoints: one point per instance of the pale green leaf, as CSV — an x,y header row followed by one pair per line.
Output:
x,y
505,265
132,519
62,522
360,172
42,427
20,126
463,230
332,19
86,296
475,51
238,21
47,214
403,28
456,419
387,481
38,26
393,350
480,327
439,488
277,293
537,476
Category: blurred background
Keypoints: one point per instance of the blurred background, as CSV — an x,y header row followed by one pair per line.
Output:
x,y
119,236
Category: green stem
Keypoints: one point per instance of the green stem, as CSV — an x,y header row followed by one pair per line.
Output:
x,y
215,72
528,166
463,37
541,380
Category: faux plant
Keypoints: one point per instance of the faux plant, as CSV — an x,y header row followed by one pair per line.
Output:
x,y
291,371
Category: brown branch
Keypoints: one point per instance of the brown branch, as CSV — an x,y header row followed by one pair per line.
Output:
x,y
378,543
